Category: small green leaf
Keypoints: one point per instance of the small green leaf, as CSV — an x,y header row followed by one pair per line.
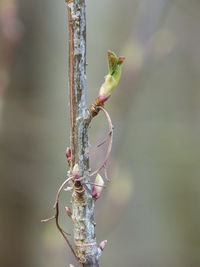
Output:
x,y
112,62
112,79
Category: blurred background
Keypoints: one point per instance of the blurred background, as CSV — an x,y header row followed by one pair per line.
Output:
x,y
150,212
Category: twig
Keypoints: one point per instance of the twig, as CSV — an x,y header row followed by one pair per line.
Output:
x,y
103,165
106,174
82,178
49,219
109,144
108,149
56,217
60,189
87,250
62,232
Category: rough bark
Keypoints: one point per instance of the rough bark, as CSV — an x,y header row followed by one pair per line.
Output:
x,y
82,202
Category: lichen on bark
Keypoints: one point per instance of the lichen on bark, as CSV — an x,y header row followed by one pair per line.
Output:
x,y
83,204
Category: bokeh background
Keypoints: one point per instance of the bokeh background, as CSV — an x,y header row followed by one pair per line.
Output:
x,y
150,212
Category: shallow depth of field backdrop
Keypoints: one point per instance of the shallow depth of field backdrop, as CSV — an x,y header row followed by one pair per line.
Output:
x,y
150,212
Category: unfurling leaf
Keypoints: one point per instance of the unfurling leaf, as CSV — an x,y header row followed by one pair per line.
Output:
x,y
112,79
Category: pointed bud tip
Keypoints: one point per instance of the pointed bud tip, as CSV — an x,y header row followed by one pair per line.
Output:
x,y
94,192
76,168
68,153
110,54
121,59
99,180
103,244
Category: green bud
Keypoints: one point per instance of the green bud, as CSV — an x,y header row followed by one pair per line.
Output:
x,y
112,79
